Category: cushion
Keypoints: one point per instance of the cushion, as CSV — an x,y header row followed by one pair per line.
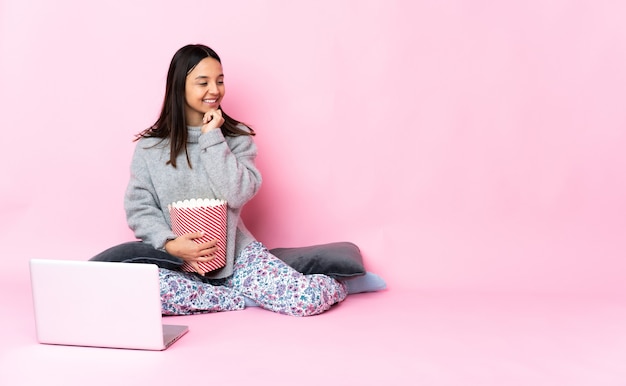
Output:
x,y
338,260
138,252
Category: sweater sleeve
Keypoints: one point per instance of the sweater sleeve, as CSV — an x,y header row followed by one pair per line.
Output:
x,y
143,211
230,166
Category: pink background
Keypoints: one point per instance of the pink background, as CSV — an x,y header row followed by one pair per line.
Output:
x,y
463,145
472,149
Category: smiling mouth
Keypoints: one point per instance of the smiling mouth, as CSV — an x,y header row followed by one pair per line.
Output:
x,y
209,100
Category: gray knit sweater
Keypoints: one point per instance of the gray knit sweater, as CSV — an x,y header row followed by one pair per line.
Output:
x,y
221,167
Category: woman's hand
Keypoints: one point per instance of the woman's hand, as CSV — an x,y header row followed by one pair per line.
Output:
x,y
187,249
212,120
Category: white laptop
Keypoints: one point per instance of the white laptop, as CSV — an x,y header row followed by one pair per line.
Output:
x,y
100,304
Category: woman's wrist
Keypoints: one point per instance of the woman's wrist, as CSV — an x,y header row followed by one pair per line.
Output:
x,y
168,241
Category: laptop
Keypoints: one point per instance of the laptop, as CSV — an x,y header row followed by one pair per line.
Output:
x,y
100,304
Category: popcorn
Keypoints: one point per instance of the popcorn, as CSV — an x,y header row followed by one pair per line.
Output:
x,y
208,215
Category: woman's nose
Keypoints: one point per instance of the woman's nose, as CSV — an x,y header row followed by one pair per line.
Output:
x,y
213,88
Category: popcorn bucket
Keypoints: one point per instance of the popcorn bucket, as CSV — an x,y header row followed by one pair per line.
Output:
x,y
202,215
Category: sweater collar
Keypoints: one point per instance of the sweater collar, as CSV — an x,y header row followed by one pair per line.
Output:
x,y
193,134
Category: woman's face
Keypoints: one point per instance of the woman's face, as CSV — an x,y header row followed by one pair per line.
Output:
x,y
204,90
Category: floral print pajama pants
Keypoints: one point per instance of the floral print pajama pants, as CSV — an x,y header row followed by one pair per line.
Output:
x,y
258,275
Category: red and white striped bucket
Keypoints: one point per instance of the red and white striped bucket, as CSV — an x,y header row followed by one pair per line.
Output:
x,y
202,215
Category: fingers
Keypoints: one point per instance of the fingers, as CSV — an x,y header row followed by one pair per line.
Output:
x,y
212,120
204,244
203,251
196,268
191,249
207,254
193,236
211,115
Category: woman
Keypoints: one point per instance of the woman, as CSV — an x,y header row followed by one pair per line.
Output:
x,y
195,150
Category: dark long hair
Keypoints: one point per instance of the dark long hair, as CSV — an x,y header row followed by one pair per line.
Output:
x,y
171,122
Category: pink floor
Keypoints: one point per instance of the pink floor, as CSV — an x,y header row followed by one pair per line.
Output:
x,y
394,337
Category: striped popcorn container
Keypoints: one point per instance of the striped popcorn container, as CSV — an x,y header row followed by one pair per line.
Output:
x,y
202,215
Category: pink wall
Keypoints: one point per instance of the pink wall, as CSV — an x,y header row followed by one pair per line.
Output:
x,y
463,145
